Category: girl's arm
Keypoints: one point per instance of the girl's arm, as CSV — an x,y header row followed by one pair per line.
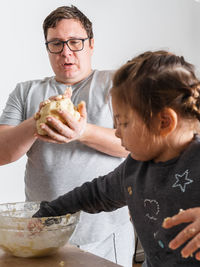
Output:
x,y
105,193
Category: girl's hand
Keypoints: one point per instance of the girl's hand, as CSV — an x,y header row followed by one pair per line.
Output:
x,y
191,231
35,226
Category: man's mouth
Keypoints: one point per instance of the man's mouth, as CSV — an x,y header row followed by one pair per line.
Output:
x,y
68,64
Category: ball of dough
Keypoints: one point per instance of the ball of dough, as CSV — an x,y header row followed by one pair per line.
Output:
x,y
51,107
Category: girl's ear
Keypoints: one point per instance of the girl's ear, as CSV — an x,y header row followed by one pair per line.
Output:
x,y
168,121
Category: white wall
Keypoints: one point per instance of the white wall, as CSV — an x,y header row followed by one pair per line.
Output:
x,y
122,29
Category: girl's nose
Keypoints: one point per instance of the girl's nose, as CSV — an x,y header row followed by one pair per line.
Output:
x,y
117,133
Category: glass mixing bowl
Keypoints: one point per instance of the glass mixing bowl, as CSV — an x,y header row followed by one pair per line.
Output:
x,y
24,236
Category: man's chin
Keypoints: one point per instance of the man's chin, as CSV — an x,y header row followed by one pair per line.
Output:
x,y
68,78
72,77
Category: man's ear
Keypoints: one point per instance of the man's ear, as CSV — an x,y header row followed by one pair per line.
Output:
x,y
168,121
92,44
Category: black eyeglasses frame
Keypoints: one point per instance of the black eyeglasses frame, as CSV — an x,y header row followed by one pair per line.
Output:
x,y
66,42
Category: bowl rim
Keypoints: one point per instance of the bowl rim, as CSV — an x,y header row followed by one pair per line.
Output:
x,y
29,202
63,221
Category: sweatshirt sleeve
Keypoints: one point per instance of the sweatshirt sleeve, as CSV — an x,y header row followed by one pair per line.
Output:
x,y
105,193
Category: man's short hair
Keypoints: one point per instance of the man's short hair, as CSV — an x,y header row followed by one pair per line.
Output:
x,y
67,12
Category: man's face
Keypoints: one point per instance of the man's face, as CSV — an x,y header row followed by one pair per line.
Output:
x,y
70,67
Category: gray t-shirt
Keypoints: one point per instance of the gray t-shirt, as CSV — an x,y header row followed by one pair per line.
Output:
x,y
54,169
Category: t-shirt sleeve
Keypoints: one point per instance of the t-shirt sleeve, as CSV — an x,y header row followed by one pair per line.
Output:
x,y
13,113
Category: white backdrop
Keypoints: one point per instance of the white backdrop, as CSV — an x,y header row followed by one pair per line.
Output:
x,y
122,29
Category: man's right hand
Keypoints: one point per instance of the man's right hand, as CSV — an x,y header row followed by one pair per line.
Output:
x,y
15,141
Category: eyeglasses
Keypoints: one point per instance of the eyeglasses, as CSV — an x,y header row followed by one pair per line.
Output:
x,y
57,46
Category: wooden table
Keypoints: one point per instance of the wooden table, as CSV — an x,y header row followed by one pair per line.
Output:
x,y
68,256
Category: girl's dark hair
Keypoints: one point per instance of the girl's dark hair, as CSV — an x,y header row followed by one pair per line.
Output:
x,y
156,80
67,12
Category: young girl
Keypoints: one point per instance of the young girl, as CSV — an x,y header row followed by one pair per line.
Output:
x,y
156,105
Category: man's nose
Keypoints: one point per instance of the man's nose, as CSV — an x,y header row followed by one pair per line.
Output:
x,y
66,50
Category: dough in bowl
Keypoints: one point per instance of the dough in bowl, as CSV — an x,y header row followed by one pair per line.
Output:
x,y
51,107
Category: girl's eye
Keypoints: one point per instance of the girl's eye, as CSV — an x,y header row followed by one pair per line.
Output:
x,y
124,124
117,123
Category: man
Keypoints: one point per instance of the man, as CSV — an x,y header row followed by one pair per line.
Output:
x,y
72,152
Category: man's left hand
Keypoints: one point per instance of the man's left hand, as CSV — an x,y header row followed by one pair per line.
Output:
x,y
59,132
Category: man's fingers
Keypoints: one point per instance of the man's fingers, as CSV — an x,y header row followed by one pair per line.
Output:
x,y
181,217
65,130
197,256
48,139
82,109
68,92
69,119
187,233
53,135
54,98
37,116
191,247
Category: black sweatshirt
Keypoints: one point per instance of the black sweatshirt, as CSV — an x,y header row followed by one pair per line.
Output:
x,y
152,191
